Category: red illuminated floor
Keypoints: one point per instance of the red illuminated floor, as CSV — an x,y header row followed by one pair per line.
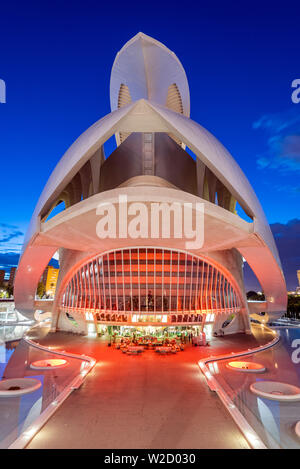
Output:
x,y
145,401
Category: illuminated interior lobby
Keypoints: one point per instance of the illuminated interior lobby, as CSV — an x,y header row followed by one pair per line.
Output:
x,y
160,154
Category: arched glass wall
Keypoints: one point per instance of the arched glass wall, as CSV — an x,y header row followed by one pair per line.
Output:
x,y
146,283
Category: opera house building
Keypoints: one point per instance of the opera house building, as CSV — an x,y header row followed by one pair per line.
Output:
x,y
121,273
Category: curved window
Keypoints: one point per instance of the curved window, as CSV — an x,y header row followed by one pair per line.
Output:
x,y
149,283
174,100
124,97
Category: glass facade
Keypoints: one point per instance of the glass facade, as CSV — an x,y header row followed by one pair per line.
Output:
x,y
149,285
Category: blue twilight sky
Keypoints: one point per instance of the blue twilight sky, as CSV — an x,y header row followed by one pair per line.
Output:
x,y
240,59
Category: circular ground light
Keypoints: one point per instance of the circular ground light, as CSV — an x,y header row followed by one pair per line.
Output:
x,y
18,386
49,364
246,367
276,391
297,429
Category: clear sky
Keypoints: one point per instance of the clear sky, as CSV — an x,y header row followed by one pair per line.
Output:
x,y
240,59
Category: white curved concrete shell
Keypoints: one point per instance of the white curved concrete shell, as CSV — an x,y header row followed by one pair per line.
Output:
x,y
147,68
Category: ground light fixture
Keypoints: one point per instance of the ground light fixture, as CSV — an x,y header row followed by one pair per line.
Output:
x,y
246,367
18,386
276,391
48,364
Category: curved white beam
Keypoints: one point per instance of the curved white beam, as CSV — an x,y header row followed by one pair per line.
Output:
x,y
74,158
75,230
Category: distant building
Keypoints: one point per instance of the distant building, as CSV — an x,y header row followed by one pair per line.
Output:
x,y
49,279
12,276
298,276
2,275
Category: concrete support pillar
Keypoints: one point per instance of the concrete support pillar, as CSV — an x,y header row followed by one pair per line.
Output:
x,y
67,259
212,182
200,173
86,178
96,162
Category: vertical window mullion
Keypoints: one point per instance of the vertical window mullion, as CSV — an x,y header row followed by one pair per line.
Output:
x,y
191,282
147,293
93,282
72,282
123,283
171,278
87,303
85,288
139,277
131,287
70,292
68,296
162,278
197,287
109,282
224,302
80,289
215,291
103,282
87,273
154,279
201,289
211,288
220,297
77,289
207,286
116,283
218,287
225,288
227,295
178,272
185,262
96,270
73,292
99,285
233,300
222,290
90,284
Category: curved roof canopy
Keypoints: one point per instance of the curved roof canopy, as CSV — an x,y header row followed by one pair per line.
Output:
x,y
149,70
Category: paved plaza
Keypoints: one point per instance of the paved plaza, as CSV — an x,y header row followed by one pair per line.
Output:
x,y
145,401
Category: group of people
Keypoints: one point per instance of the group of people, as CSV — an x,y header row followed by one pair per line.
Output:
x,y
186,338
150,340
147,342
